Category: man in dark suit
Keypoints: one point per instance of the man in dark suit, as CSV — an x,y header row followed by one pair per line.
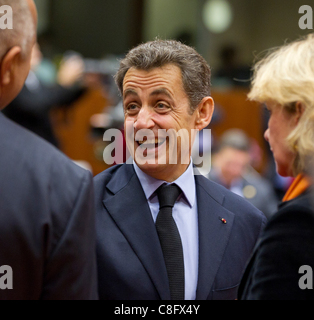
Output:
x,y
46,201
163,230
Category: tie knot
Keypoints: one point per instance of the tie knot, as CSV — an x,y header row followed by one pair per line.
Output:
x,y
167,195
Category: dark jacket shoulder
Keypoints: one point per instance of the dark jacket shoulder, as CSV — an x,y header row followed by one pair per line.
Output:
x,y
287,244
28,153
295,214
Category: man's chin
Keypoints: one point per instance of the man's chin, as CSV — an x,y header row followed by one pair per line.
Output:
x,y
149,167
166,172
157,171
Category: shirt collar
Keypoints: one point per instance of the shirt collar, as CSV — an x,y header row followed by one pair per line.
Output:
x,y
186,182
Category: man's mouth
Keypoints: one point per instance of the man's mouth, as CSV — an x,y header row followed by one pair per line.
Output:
x,y
151,143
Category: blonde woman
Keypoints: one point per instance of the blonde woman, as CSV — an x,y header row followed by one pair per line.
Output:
x,y
281,265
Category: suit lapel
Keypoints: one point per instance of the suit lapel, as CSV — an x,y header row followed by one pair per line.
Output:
x,y
129,209
213,234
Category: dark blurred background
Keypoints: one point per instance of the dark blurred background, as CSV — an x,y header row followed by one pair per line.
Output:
x,y
97,27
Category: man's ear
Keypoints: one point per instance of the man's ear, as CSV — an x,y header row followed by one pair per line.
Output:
x,y
8,64
204,114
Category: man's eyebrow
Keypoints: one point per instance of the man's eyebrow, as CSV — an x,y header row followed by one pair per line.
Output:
x,y
128,92
156,92
161,91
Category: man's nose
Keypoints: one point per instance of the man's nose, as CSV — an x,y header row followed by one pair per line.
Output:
x,y
144,119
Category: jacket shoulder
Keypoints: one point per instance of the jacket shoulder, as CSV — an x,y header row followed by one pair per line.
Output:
x,y
107,174
113,178
284,247
35,163
299,211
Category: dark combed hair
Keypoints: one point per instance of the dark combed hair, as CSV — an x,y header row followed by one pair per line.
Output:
x,y
196,73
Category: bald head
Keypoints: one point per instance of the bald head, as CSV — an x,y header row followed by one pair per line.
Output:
x,y
24,26
15,48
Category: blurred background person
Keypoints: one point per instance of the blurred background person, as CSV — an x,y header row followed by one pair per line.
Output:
x,y
231,167
31,108
284,81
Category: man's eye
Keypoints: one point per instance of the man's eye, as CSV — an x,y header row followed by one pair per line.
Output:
x,y
162,106
131,108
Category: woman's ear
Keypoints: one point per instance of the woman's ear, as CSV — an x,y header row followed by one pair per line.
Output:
x,y
299,111
204,114
8,64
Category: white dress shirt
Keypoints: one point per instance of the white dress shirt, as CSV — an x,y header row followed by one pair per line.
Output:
x,y
186,217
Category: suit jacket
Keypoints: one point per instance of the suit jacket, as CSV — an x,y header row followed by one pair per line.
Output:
x,y
46,220
129,256
286,244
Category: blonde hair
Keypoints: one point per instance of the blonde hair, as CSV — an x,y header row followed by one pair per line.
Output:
x,y
286,77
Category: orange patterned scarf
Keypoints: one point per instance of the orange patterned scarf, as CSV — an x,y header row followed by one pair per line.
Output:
x,y
298,186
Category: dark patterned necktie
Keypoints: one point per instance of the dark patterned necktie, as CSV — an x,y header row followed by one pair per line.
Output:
x,y
170,239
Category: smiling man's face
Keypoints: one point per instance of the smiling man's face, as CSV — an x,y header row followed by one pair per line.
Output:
x,y
155,100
